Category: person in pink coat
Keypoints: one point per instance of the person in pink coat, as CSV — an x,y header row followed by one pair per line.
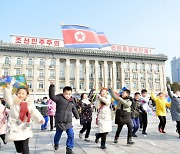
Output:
x,y
51,112
3,121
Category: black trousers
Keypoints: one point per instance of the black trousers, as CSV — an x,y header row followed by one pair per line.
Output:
x,y
128,122
162,122
51,122
143,121
22,146
3,137
87,128
103,138
178,127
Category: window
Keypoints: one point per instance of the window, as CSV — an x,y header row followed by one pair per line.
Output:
x,y
52,74
18,71
81,69
134,66
117,72
127,84
7,60
41,85
91,70
81,85
135,76
6,72
142,67
142,85
29,85
52,62
126,66
157,68
62,70
19,61
72,70
61,85
30,61
100,71
150,76
91,85
42,62
150,67
117,85
109,71
126,76
41,73
135,85
72,85
29,73
142,76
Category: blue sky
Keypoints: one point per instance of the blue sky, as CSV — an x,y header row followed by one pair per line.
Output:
x,y
146,23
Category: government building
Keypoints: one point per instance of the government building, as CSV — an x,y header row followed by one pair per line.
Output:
x,y
82,69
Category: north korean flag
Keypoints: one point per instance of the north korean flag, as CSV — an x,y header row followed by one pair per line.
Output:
x,y
76,36
103,39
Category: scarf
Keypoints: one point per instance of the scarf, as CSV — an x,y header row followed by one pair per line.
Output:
x,y
24,112
86,101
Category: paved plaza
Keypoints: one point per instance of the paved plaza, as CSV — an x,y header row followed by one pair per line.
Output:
x,y
154,142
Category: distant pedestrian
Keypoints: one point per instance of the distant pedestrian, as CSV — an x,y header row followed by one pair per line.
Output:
x,y
161,104
51,112
175,107
85,116
44,111
104,116
65,106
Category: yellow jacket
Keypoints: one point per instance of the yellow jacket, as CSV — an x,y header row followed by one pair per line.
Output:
x,y
161,105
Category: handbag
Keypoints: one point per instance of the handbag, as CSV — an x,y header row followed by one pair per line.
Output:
x,y
98,114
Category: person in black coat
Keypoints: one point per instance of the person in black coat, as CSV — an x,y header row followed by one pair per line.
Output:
x,y
65,106
85,116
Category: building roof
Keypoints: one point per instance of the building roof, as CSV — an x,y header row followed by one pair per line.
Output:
x,y
10,47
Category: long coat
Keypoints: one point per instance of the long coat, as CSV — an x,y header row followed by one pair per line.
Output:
x,y
86,113
64,110
3,118
19,131
175,105
104,115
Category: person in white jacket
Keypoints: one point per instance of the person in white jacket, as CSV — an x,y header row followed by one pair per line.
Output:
x,y
104,117
22,111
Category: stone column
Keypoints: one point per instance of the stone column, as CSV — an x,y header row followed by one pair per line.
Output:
x,y
46,75
87,76
57,70
96,76
67,73
12,65
114,71
122,75
138,78
162,79
105,74
35,75
77,71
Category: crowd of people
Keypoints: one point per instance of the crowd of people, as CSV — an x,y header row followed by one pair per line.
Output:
x,y
19,110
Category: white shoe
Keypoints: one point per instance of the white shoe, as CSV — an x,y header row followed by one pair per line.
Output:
x,y
80,135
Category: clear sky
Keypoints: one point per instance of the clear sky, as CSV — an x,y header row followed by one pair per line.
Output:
x,y
146,23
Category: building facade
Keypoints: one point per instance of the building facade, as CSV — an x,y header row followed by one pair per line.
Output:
x,y
175,69
82,69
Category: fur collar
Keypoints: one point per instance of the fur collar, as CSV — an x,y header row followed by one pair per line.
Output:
x,y
17,101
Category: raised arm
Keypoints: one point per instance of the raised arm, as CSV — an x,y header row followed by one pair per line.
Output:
x,y
52,95
169,91
153,97
7,95
106,100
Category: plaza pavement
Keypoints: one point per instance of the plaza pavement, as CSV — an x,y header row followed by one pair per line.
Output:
x,y
154,142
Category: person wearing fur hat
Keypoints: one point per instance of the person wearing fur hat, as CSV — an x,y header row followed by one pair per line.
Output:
x,y
22,111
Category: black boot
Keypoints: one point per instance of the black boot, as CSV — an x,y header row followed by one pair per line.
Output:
x,y
129,141
96,140
69,151
116,139
56,146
